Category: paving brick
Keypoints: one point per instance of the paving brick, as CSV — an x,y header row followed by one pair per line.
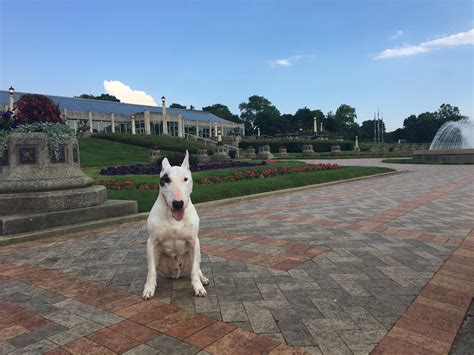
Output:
x,y
85,346
115,341
134,330
169,345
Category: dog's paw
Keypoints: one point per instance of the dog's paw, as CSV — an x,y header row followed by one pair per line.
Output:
x,y
199,291
204,280
149,291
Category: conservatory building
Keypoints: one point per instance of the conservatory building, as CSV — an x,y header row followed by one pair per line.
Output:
x,y
108,116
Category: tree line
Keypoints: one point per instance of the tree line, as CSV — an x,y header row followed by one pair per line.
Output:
x,y
259,113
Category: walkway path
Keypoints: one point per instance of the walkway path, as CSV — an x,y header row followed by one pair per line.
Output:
x,y
338,269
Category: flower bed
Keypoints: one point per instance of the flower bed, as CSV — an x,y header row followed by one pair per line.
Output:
x,y
114,184
252,174
155,169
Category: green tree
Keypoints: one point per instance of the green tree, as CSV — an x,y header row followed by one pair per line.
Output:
x,y
175,105
366,131
223,112
304,119
446,113
345,116
258,105
102,97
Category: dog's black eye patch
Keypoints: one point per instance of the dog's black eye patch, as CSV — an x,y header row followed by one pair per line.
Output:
x,y
165,179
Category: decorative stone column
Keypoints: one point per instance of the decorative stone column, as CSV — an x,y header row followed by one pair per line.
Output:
x,y
165,118
180,126
112,118
133,125
146,117
197,128
215,128
90,122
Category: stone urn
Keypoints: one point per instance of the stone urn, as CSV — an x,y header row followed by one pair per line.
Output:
x,y
382,148
154,155
307,150
282,151
250,152
39,189
202,156
264,152
371,148
335,149
220,153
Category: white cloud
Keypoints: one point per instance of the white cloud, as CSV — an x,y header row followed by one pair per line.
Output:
x,y
285,62
397,34
409,50
126,94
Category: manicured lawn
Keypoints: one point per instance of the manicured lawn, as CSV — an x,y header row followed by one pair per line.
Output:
x,y
203,193
99,152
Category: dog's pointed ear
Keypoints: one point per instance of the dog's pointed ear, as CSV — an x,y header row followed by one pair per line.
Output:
x,y
165,164
186,161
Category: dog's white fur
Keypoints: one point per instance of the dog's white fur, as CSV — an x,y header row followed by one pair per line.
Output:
x,y
173,246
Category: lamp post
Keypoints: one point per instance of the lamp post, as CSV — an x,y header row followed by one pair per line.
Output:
x,y
215,128
165,119
356,148
11,101
258,131
315,125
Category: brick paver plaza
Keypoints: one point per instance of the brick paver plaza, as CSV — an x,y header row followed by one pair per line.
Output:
x,y
383,264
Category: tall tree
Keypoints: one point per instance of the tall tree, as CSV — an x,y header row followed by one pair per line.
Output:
x,y
257,105
223,112
304,118
175,105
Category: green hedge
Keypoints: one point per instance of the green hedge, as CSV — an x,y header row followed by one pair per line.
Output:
x,y
172,144
296,146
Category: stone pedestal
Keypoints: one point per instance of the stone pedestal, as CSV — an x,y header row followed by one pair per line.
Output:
x,y
282,151
335,149
154,155
35,184
307,150
382,148
220,153
371,148
202,156
250,152
264,152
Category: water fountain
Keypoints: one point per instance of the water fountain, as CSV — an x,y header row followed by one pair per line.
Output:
x,y
452,144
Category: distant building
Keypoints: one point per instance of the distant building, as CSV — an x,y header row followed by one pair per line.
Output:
x,y
108,116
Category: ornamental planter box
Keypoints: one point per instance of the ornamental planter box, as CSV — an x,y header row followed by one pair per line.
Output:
x,y
39,189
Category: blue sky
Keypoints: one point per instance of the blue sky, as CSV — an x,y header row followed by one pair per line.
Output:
x,y
296,53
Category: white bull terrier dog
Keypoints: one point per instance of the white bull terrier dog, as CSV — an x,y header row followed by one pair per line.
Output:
x,y
173,225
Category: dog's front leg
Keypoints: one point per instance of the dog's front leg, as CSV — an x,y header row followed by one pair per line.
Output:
x,y
152,257
196,274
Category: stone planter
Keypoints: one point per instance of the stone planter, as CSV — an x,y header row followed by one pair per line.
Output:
x,y
39,190
264,152
335,149
220,153
283,152
154,155
307,150
250,152
202,156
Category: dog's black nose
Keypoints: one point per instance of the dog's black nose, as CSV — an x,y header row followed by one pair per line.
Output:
x,y
177,205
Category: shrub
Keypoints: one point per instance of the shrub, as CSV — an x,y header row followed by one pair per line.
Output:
x,y
296,146
33,108
172,144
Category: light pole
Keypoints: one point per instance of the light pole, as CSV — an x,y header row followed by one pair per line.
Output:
x,y
315,125
11,100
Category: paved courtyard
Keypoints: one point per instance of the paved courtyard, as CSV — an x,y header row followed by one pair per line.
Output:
x,y
383,264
